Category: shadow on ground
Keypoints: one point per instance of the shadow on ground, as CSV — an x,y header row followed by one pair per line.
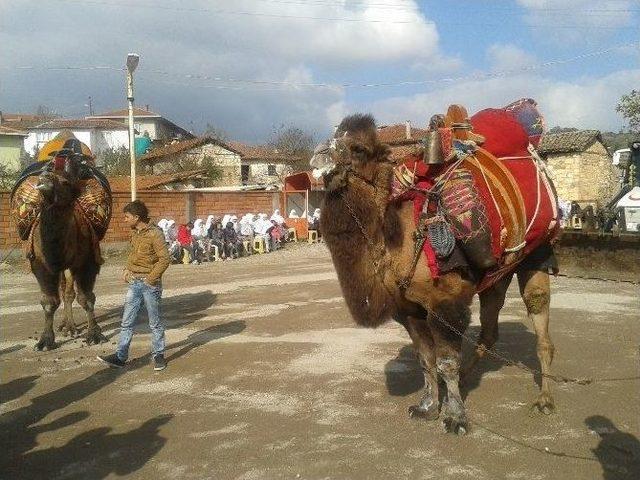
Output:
x,y
618,452
21,427
404,375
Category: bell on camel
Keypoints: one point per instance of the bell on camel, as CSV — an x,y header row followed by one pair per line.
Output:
x,y
432,154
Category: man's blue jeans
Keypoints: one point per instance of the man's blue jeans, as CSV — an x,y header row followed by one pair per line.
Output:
x,y
141,292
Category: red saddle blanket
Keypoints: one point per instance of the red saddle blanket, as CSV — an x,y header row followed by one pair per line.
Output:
x,y
512,184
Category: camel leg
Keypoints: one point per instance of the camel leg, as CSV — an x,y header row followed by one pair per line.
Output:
x,y
85,281
429,406
68,294
535,291
448,347
491,302
50,302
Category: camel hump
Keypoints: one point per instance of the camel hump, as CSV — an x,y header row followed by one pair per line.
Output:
x,y
356,123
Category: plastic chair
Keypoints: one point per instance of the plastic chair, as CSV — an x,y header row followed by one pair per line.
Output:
x,y
313,236
247,247
216,253
576,222
293,235
258,245
186,257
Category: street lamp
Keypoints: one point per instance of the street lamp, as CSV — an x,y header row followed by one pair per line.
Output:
x,y
132,63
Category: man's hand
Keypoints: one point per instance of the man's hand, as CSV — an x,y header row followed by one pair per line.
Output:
x,y
126,275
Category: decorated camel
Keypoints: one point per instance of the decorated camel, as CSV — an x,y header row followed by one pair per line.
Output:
x,y
396,257
62,206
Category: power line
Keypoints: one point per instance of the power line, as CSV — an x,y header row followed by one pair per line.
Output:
x,y
237,83
331,19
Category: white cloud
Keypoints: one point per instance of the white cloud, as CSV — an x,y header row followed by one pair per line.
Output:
x,y
198,38
506,57
594,18
583,103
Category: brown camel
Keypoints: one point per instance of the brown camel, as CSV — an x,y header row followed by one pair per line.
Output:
x,y
372,246
63,249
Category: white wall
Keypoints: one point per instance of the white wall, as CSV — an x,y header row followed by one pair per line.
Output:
x,y
96,140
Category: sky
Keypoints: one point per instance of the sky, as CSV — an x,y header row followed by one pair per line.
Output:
x,y
252,67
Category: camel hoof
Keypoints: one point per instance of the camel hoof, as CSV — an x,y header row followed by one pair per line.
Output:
x,y
95,338
417,412
45,345
544,404
68,331
458,426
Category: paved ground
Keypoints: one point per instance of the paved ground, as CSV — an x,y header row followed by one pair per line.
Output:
x,y
269,378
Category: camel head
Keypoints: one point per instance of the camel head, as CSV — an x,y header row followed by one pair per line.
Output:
x,y
354,150
58,182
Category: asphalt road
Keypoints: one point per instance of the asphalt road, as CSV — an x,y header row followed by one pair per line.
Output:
x,y
269,378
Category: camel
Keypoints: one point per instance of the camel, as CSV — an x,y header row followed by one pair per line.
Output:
x,y
371,242
63,248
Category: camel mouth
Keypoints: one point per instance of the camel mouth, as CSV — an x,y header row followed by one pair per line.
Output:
x,y
323,171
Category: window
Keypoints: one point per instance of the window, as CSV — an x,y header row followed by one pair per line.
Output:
x,y
271,170
244,173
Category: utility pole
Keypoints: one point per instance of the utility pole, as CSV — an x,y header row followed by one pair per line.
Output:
x,y
132,63
90,105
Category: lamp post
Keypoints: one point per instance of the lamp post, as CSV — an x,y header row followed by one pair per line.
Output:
x,y
132,63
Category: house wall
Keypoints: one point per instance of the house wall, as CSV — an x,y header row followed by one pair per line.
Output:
x,y
587,177
259,172
96,139
175,205
10,149
229,162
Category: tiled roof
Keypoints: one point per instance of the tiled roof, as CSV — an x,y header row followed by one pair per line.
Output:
x,y
399,152
568,142
83,123
151,182
4,130
182,146
262,152
21,121
397,134
124,113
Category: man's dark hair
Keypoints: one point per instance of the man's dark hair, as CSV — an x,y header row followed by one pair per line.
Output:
x,y
139,209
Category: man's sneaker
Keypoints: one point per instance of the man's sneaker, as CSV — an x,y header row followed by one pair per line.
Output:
x,y
112,360
159,363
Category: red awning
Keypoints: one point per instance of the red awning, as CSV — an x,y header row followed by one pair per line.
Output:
x,y
302,181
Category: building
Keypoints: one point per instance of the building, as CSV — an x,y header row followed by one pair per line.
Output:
x,y
580,166
403,140
144,120
186,180
98,135
11,148
200,152
264,165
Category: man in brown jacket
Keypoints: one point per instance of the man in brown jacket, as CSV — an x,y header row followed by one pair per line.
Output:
x,y
148,259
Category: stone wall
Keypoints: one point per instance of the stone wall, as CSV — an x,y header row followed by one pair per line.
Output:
x,y
259,172
587,177
228,162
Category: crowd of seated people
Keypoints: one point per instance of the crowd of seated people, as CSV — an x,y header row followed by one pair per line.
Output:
x,y
226,238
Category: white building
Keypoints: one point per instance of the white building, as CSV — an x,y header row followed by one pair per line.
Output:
x,y
144,120
98,135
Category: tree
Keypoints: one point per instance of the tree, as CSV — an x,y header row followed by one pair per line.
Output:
x,y
8,177
629,107
294,142
213,170
116,161
215,133
46,113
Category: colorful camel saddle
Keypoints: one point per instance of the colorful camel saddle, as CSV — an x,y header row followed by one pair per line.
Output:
x,y
495,202
93,204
